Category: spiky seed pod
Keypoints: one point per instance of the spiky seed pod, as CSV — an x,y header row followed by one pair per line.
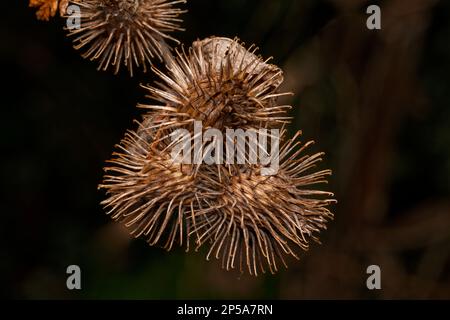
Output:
x,y
260,219
222,84
150,194
249,219
132,32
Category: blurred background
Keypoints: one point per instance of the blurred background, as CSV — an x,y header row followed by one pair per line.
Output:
x,y
377,102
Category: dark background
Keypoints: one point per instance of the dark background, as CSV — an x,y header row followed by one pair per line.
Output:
x,y
376,101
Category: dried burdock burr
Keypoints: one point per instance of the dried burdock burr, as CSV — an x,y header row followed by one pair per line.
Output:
x,y
223,84
149,193
128,32
258,220
250,220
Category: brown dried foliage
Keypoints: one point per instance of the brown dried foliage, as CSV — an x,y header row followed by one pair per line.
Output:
x,y
48,8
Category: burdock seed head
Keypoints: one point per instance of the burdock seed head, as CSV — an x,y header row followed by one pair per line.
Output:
x,y
250,220
258,220
132,32
222,84
150,194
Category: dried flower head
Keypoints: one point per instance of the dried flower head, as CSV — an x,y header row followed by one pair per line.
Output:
x,y
149,193
257,220
222,84
132,32
48,8
249,220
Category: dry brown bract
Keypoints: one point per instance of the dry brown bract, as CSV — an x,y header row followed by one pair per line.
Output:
x,y
48,8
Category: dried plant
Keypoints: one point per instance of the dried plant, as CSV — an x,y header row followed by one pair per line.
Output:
x,y
249,219
257,220
148,192
48,8
222,84
132,32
